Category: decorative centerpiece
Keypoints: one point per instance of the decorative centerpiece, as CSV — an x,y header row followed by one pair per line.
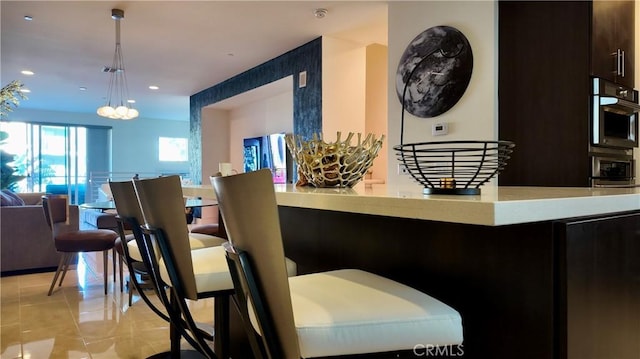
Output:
x,y
333,164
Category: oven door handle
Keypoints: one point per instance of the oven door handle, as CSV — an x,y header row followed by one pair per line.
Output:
x,y
608,101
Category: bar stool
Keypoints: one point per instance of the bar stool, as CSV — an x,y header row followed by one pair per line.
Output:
x,y
189,274
336,313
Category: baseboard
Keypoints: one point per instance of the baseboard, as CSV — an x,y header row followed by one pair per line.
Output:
x,y
27,271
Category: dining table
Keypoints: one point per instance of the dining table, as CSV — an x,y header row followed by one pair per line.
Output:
x,y
110,205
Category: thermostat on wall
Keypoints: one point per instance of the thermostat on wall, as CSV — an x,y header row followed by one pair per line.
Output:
x,y
439,129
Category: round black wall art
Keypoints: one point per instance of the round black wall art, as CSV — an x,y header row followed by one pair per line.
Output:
x,y
434,71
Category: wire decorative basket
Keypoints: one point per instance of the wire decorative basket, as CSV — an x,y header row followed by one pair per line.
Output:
x,y
454,167
333,164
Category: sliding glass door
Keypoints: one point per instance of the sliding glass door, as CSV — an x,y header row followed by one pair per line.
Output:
x,y
58,158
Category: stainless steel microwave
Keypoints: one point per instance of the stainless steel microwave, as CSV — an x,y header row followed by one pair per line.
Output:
x,y
615,115
612,170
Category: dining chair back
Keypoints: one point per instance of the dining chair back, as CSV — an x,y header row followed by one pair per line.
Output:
x,y
190,274
129,212
162,206
252,196
130,217
181,323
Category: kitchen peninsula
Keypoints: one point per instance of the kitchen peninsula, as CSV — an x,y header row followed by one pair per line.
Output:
x,y
535,272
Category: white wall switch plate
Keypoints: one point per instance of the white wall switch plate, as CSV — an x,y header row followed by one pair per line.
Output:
x,y
302,79
439,129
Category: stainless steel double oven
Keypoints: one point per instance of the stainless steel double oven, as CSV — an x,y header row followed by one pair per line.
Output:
x,y
614,134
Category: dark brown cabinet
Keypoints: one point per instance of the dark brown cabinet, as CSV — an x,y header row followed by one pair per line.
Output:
x,y
612,41
544,85
562,289
599,277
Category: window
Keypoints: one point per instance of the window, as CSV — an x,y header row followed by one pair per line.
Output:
x,y
55,158
173,149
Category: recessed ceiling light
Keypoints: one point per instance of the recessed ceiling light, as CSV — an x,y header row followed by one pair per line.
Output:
x,y
28,18
25,90
131,101
82,88
154,87
27,72
320,13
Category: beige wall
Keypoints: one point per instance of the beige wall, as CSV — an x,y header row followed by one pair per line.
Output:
x,y
215,140
343,87
223,130
351,72
264,117
474,117
376,104
354,93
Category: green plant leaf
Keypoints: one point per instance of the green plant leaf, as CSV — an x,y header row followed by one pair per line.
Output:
x,y
10,96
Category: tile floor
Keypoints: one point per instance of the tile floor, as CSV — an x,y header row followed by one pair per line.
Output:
x,y
78,320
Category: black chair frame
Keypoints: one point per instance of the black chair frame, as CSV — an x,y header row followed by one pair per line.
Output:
x,y
246,287
183,323
133,266
149,260
174,318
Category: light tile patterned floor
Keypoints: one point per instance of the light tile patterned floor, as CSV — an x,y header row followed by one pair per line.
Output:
x,y
78,320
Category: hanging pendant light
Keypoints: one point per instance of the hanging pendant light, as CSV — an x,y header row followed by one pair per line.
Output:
x,y
118,105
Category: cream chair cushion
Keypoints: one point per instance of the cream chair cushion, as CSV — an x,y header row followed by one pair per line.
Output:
x,y
211,270
196,240
350,311
199,240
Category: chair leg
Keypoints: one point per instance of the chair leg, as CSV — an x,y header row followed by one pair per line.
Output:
x,y
114,264
105,260
121,263
174,333
65,267
61,265
221,342
130,288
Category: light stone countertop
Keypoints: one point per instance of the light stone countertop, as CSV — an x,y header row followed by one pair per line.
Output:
x,y
495,206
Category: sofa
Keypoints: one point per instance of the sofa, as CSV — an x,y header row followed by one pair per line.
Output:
x,y
25,238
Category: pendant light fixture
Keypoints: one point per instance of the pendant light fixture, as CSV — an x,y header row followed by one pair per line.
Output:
x,y
118,105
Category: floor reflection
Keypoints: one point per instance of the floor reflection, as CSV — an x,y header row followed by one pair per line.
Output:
x,y
78,320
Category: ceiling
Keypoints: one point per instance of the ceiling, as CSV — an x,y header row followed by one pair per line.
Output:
x,y
182,47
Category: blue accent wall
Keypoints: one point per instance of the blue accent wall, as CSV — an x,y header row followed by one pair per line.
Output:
x,y
307,101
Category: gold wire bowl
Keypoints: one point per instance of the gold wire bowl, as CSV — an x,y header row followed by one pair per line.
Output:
x,y
333,164
454,167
